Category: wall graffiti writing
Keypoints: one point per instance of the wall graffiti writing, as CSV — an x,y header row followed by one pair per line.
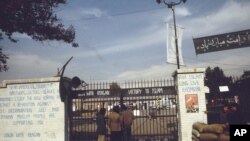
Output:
x,y
29,110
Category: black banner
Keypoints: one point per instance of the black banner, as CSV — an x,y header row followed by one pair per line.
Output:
x,y
222,42
126,92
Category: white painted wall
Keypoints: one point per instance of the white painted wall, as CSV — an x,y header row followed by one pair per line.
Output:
x,y
190,90
31,110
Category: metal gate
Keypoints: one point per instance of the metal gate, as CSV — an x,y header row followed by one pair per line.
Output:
x,y
154,104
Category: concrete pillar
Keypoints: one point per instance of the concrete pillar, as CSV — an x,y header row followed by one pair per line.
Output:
x,y
191,100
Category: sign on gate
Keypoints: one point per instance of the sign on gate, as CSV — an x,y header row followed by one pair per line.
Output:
x,y
125,92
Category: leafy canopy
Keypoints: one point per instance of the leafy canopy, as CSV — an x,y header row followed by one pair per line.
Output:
x,y
215,78
35,18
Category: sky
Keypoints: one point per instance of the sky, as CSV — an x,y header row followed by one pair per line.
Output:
x,y
126,40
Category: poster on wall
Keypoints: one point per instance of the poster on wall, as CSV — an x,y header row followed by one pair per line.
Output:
x,y
191,101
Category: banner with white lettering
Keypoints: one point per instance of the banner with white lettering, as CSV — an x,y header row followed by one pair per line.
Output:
x,y
126,92
222,42
171,46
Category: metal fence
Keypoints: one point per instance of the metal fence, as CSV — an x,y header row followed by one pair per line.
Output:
x,y
154,104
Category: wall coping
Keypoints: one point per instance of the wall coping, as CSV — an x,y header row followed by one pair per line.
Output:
x,y
191,70
33,80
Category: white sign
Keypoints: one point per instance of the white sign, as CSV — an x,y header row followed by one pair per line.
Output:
x,y
223,88
32,112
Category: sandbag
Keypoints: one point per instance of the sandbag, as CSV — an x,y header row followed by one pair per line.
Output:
x,y
198,126
213,128
194,138
195,133
209,137
226,133
224,137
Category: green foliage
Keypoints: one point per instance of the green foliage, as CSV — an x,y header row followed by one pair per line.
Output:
x,y
114,86
115,89
214,78
246,75
244,81
3,61
35,18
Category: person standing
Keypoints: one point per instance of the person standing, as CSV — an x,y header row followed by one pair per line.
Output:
x,y
224,114
101,125
114,123
127,118
235,116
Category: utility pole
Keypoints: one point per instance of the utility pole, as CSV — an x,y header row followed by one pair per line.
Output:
x,y
172,6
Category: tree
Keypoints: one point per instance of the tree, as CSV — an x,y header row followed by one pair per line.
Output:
x,y
116,90
246,75
35,18
243,89
215,78
3,61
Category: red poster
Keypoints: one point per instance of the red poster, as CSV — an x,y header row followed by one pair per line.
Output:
x,y
192,105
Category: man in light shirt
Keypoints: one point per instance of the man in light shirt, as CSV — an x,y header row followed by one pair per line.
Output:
x,y
127,118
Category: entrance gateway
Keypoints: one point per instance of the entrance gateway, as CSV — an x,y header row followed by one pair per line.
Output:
x,y
161,113
25,103
154,104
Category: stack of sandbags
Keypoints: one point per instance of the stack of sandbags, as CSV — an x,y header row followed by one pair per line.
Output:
x,y
211,132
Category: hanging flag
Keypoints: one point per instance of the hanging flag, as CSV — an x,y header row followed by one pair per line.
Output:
x,y
222,42
170,44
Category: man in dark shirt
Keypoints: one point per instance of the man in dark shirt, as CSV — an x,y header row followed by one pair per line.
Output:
x,y
235,115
